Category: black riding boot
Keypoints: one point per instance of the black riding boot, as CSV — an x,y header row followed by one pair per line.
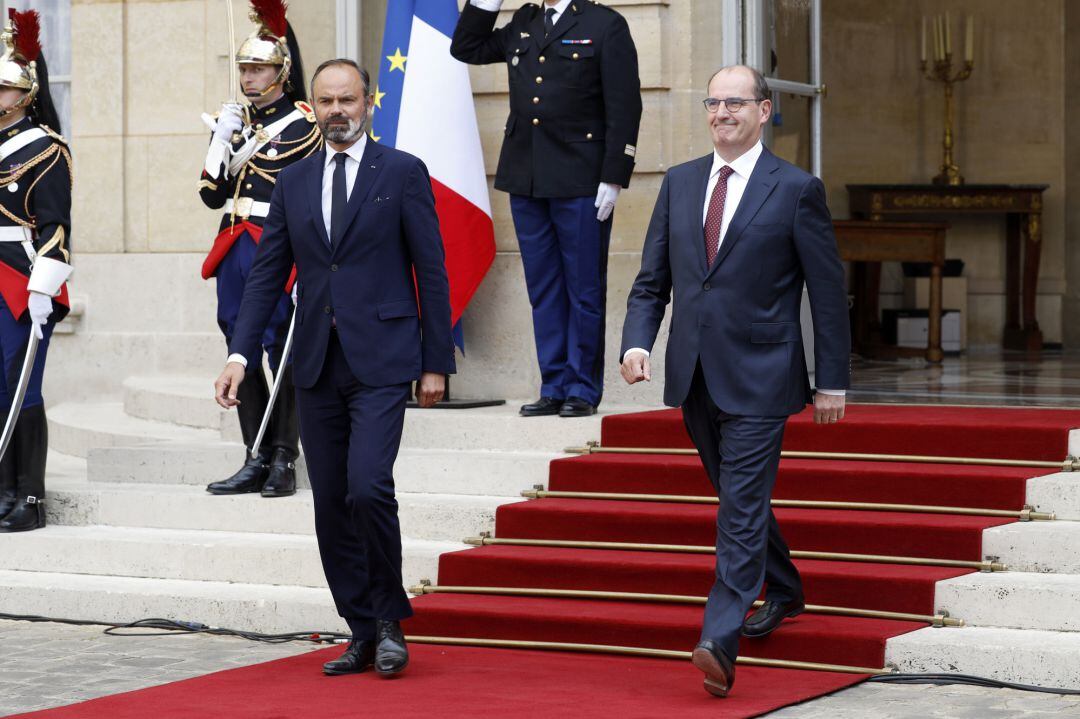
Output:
x,y
30,444
7,482
284,434
253,395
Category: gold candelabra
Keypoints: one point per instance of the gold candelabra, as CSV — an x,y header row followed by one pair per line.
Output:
x,y
942,71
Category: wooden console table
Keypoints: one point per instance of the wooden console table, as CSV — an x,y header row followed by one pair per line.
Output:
x,y
871,243
1022,207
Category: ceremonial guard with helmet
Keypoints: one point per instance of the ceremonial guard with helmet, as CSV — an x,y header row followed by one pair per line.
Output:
x,y
251,143
35,228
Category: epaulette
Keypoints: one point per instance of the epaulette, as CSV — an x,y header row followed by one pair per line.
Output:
x,y
54,135
309,113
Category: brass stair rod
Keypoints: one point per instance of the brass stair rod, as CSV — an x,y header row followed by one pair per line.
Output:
x,y
636,652
983,566
1070,464
1024,515
940,620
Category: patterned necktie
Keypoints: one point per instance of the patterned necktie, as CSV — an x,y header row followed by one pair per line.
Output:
x,y
549,20
715,217
339,198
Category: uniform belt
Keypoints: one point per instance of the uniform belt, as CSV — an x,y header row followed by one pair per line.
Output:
x,y
22,235
246,207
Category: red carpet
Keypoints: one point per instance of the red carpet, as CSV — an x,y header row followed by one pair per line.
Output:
x,y
455,682
462,682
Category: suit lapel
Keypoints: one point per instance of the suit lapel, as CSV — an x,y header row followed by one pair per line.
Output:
x,y
566,21
758,188
314,183
370,166
696,225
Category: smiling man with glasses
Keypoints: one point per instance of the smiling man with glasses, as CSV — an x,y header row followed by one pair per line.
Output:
x,y
734,236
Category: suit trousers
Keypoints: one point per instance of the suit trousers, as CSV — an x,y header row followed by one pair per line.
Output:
x,y
741,455
564,250
351,433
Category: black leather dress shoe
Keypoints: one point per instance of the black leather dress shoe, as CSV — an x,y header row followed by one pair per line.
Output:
x,y
718,669
358,657
28,514
250,478
576,407
281,481
391,654
543,407
769,615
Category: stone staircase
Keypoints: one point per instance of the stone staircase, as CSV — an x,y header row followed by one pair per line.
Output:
x,y
132,532
1022,625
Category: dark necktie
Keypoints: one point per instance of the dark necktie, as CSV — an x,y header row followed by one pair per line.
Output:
x,y
339,198
549,20
715,217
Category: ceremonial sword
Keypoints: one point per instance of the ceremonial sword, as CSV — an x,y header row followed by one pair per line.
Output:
x,y
20,392
276,388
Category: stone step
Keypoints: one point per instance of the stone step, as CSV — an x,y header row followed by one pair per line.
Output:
x,y
417,470
1017,600
1058,493
1025,656
245,557
179,399
1035,546
442,517
251,607
498,428
76,427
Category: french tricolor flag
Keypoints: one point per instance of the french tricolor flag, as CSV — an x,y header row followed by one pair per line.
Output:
x,y
424,106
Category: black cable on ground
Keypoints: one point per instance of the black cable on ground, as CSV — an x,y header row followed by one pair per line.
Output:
x,y
166,627
943,679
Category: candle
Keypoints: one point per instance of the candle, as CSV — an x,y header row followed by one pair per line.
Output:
x,y
922,53
948,36
969,41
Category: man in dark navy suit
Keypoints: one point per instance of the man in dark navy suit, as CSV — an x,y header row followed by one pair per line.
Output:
x,y
359,222
735,234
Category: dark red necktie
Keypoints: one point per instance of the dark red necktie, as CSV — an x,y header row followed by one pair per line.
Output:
x,y
715,217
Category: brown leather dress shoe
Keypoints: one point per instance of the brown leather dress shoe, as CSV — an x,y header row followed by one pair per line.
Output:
x,y
718,669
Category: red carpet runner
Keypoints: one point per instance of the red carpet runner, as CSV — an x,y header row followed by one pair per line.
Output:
x,y
452,682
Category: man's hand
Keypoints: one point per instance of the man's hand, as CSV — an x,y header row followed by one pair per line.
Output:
x,y
606,195
230,121
828,408
227,384
430,389
635,367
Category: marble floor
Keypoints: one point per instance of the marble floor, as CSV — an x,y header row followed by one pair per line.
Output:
x,y
1051,379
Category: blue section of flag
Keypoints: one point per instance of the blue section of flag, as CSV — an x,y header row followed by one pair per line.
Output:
x,y
396,36
439,14
459,336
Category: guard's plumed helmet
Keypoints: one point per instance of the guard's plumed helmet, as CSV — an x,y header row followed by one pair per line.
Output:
x,y
21,41
268,45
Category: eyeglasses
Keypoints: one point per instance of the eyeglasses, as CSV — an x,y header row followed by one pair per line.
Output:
x,y
733,104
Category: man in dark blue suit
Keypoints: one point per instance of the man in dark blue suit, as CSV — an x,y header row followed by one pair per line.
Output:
x,y
735,235
358,220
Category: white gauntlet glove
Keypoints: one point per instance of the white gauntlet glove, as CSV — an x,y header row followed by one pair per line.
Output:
x,y
229,122
606,196
489,5
40,307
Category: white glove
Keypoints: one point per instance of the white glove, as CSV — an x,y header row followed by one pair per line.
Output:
x,y
606,196
229,122
40,307
489,5
293,293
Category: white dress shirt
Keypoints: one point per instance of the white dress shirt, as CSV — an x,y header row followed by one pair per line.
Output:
x,y
742,167
494,5
352,164
354,154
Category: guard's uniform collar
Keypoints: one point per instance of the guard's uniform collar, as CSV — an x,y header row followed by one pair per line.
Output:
x,y
274,111
24,124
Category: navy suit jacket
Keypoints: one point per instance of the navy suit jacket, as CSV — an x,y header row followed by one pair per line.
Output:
x,y
740,317
366,283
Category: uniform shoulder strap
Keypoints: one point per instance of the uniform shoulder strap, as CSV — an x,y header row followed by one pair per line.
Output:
x,y
309,113
54,135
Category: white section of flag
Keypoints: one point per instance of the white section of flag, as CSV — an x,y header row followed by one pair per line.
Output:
x,y
437,121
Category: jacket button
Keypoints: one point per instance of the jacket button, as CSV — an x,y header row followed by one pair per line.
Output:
x,y
539,80
706,287
576,56
536,101
536,121
588,136
327,309
543,59
333,268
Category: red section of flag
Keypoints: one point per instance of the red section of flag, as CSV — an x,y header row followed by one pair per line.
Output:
x,y
16,296
469,239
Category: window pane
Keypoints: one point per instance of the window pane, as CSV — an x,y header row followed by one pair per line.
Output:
x,y
791,129
789,39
